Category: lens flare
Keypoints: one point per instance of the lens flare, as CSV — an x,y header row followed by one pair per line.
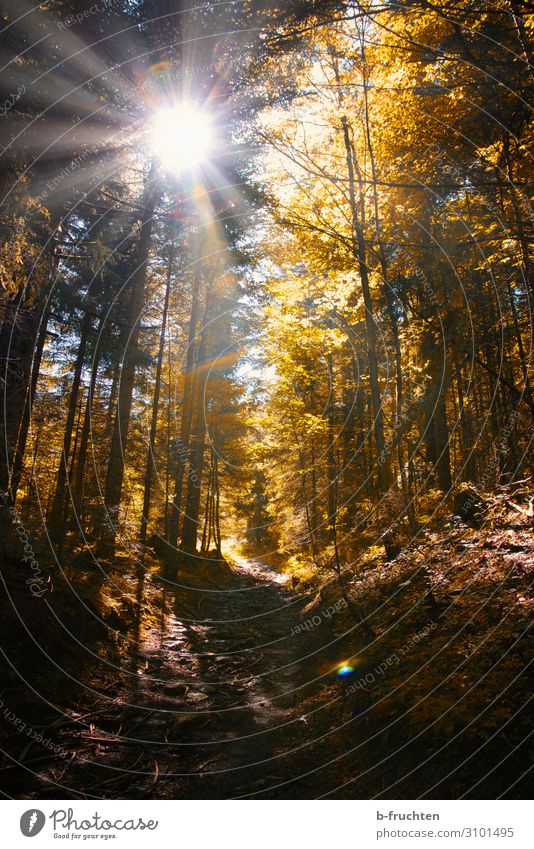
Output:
x,y
181,137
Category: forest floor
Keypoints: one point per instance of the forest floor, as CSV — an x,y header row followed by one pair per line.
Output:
x,y
205,708
231,691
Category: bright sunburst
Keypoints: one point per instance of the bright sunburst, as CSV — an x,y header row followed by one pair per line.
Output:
x,y
181,137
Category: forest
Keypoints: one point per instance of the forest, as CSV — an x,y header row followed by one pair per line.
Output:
x,y
266,459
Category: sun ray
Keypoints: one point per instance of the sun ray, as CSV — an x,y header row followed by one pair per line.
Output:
x,y
181,137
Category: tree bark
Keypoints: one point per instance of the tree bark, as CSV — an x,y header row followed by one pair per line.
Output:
x,y
56,518
17,345
331,466
130,340
198,441
155,404
185,423
359,250
18,460
390,308
78,477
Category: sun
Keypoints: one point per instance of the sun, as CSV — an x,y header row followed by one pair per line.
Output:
x,y
181,137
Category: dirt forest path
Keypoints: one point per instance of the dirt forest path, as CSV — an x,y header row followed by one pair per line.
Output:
x,y
210,706
225,691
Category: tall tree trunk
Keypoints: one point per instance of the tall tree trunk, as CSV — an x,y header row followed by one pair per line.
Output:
x,y
388,297
198,440
441,436
149,469
78,476
314,500
303,475
130,340
332,472
469,468
360,252
216,508
436,434
17,345
208,510
57,514
185,423
520,223
519,340
113,392
168,445
18,459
